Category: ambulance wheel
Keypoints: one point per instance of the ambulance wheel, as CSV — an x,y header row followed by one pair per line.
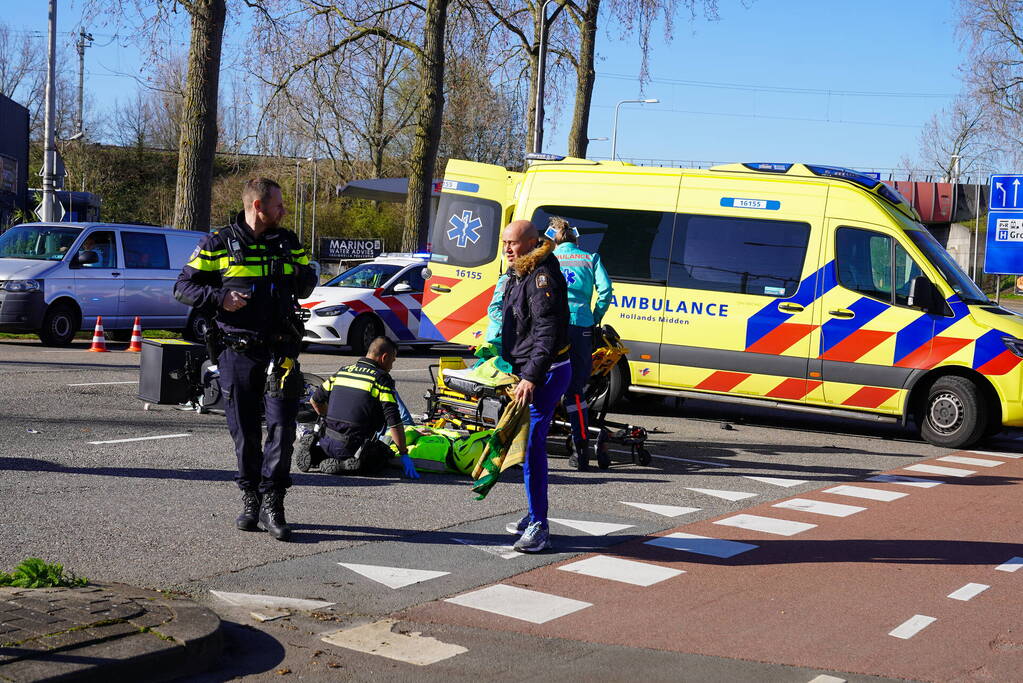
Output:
x,y
951,414
364,331
304,452
59,325
330,466
642,456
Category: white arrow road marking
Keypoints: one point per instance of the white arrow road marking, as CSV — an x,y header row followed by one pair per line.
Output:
x,y
591,528
393,577
269,601
505,552
778,481
519,603
378,639
624,571
911,626
666,510
726,495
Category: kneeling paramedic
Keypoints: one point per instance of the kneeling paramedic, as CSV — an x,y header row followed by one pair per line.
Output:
x,y
534,341
248,276
358,401
584,273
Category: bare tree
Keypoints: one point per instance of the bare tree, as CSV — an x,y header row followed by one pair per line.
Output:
x,y
21,63
958,132
132,122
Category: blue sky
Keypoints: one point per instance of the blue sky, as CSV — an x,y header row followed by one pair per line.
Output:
x,y
783,80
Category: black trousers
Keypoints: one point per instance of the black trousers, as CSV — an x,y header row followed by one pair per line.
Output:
x,y
260,466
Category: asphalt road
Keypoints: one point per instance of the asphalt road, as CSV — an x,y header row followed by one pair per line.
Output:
x,y
158,513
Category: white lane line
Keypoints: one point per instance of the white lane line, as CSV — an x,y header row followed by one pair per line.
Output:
x,y
978,462
393,577
591,528
665,510
623,571
768,525
701,545
1010,565
778,481
824,678
944,471
907,481
505,552
968,591
97,384
378,639
865,492
698,462
910,627
818,507
1014,456
726,495
519,603
141,438
269,601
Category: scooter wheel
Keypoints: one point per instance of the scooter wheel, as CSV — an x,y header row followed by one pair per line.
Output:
x,y
304,452
643,456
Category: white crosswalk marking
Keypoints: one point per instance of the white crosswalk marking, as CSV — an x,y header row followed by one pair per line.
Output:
x,y
944,471
621,570
818,507
591,528
778,481
1010,565
865,492
906,481
519,603
977,462
379,639
726,495
768,525
969,591
911,626
666,510
701,545
1014,456
393,577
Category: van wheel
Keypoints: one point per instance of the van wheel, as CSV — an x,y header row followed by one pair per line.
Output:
x,y
952,413
59,325
364,331
196,328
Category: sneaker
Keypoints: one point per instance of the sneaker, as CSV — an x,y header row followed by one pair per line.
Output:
x,y
536,538
518,527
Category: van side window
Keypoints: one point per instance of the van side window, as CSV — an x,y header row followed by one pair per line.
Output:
x,y
869,262
102,244
466,230
144,250
633,245
740,255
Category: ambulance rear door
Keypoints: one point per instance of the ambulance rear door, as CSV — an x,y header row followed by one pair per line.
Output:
x,y
476,202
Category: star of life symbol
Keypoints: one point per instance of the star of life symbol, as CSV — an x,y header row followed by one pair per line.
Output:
x,y
465,230
570,276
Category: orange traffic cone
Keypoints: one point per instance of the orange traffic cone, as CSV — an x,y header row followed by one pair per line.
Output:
x,y
136,337
99,341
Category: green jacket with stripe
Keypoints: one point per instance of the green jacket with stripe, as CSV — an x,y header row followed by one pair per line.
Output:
x,y
360,399
273,269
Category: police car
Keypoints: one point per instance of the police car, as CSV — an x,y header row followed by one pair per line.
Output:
x,y
380,297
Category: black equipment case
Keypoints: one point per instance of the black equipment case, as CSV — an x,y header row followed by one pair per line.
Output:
x,y
169,371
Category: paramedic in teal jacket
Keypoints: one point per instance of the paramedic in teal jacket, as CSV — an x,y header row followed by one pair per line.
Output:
x,y
584,273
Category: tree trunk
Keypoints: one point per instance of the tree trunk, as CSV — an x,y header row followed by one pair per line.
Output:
x,y
198,142
578,137
534,71
377,135
428,129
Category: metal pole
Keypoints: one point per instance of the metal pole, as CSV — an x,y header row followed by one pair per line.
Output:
x,y
976,233
314,250
81,45
614,130
541,69
50,152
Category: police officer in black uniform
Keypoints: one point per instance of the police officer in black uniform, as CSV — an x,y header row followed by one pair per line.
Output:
x,y
358,401
248,277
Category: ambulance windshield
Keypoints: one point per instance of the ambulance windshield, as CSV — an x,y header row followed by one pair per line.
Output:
x,y
966,288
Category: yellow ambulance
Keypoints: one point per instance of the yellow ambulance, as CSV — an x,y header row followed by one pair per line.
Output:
x,y
785,285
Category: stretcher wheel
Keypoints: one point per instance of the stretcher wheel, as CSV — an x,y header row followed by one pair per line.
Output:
x,y
642,456
602,457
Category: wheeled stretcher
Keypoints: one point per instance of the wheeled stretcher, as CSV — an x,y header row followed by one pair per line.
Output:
x,y
473,398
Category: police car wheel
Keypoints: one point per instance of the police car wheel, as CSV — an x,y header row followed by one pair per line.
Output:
x,y
952,415
364,331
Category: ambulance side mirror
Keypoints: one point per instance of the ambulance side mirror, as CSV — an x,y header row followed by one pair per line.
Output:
x,y
923,294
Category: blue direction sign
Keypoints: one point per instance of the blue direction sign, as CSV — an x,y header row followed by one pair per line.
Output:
x,y
1004,253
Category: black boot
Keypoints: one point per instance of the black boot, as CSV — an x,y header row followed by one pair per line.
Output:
x,y
248,519
578,457
271,515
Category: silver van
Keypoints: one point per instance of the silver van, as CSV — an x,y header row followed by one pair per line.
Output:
x,y
56,278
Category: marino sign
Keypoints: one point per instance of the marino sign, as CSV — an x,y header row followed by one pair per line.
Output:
x,y
338,249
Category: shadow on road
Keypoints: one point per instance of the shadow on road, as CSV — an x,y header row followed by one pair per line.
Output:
x,y
247,651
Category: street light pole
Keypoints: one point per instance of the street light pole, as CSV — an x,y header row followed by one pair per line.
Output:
x,y
50,150
614,128
541,72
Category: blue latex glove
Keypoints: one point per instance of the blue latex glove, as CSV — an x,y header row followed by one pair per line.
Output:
x,y
409,467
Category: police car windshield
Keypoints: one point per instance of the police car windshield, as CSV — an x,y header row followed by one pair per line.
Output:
x,y
365,276
37,242
966,288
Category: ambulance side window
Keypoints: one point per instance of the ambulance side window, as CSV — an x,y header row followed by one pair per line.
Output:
x,y
633,245
869,263
740,255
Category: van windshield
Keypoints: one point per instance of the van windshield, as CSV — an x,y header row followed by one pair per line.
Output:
x,y
365,275
37,242
960,282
